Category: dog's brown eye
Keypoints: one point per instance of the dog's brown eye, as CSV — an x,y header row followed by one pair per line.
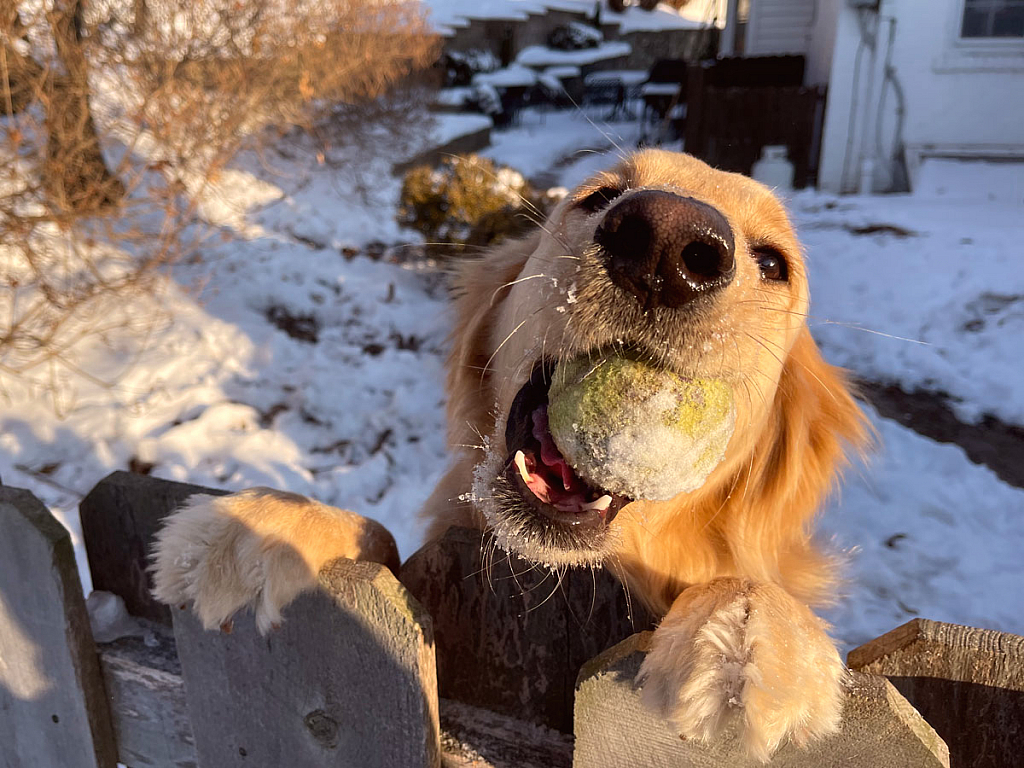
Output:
x,y
772,263
598,199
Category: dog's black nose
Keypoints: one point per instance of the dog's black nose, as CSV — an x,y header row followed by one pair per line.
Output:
x,y
666,249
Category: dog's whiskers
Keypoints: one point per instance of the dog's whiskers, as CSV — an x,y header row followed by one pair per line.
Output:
x,y
490,360
540,224
721,506
607,137
814,320
560,574
509,284
764,345
625,589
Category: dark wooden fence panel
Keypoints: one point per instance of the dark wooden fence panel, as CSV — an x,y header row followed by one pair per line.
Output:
x,y
120,517
754,72
511,636
727,127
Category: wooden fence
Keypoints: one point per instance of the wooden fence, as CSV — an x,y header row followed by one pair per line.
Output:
x,y
737,106
455,664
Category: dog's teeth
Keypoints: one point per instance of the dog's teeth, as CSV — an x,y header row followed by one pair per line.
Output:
x,y
521,466
599,504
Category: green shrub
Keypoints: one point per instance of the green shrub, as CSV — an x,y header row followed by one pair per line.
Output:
x,y
467,201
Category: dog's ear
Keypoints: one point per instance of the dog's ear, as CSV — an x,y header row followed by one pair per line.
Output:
x,y
814,423
480,285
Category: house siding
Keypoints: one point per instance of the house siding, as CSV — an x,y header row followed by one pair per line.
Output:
x,y
779,27
961,99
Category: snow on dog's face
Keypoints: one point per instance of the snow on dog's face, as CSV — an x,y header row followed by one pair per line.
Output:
x,y
662,260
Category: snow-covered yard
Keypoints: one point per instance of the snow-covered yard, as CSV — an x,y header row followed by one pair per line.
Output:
x,y
298,366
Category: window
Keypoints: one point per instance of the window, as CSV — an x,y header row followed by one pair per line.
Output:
x,y
993,18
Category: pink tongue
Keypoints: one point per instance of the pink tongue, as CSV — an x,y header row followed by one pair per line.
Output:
x,y
549,453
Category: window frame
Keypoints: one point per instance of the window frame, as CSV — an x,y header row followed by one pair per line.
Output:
x,y
976,54
993,44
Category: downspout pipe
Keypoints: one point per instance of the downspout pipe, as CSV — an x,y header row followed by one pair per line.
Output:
x,y
866,155
727,45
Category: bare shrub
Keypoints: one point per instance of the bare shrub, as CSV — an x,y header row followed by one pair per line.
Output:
x,y
117,117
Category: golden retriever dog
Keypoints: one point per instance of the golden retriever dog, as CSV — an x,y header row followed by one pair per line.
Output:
x,y
700,272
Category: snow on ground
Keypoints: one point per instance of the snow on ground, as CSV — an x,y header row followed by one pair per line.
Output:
x,y
931,535
543,139
448,14
223,397
947,274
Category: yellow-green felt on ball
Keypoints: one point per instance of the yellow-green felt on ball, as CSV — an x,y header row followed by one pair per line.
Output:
x,y
636,430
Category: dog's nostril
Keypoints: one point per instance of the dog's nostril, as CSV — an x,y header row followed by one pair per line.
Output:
x,y
666,249
622,239
703,260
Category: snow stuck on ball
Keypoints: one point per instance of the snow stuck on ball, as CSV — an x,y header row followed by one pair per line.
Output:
x,y
636,430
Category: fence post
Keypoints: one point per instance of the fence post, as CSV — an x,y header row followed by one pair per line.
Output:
x,y
512,636
613,728
53,709
347,680
968,683
120,517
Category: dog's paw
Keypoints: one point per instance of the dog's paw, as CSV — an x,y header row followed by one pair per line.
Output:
x,y
733,649
259,548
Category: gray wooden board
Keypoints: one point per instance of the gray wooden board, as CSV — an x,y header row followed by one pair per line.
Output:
x,y
120,517
53,709
150,712
472,737
147,700
510,637
348,680
615,730
967,683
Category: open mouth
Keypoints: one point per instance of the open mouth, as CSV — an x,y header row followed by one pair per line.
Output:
x,y
538,471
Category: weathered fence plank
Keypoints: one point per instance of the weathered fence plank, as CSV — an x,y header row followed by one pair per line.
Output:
x,y
120,517
151,718
147,700
348,680
53,709
967,683
615,730
472,737
511,636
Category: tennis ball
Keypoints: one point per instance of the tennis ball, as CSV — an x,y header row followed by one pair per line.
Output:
x,y
637,430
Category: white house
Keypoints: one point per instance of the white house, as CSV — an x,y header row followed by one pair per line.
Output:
x,y
907,80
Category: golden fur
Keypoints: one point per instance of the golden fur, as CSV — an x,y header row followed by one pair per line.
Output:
x,y
732,566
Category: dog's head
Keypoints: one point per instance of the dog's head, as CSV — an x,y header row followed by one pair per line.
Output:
x,y
699,271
